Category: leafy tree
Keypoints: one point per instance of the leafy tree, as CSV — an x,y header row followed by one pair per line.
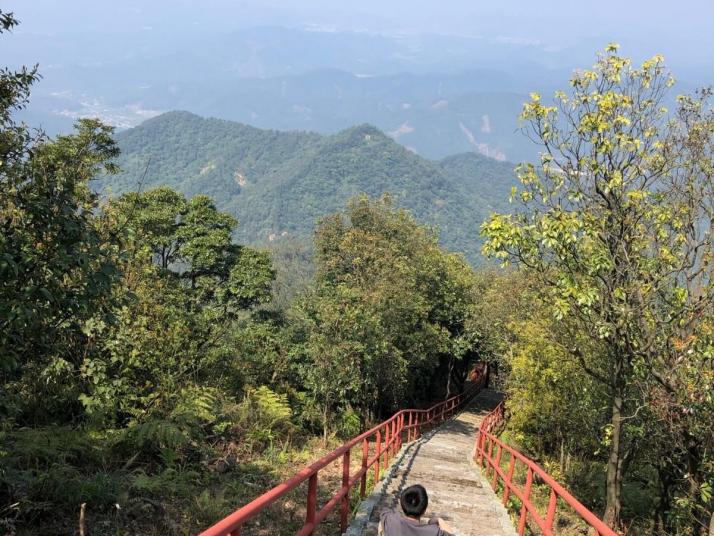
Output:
x,y
387,319
56,265
615,226
186,282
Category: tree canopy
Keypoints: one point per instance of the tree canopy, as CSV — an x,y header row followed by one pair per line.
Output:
x,y
616,228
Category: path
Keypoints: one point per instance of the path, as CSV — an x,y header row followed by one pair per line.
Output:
x,y
441,462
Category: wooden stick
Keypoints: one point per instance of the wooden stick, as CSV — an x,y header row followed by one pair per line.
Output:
x,y
82,508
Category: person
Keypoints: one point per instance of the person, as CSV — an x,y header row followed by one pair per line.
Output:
x,y
413,501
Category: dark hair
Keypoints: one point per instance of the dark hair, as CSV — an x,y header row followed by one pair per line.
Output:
x,y
414,500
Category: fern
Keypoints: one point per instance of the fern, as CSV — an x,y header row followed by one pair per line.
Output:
x,y
157,434
180,483
196,405
265,416
273,408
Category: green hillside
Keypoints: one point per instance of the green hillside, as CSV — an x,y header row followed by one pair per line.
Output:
x,y
279,183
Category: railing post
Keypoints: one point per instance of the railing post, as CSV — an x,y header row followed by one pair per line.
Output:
x,y
410,430
482,447
489,459
386,445
311,501
477,446
398,435
363,480
550,516
400,430
379,455
344,511
526,502
509,479
496,467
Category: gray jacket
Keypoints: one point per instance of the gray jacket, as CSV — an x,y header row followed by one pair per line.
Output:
x,y
393,524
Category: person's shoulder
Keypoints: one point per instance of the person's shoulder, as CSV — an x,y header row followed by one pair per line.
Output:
x,y
387,514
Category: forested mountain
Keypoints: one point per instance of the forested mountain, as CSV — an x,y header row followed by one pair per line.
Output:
x,y
154,374
279,183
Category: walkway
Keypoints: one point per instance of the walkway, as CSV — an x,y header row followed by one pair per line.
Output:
x,y
441,462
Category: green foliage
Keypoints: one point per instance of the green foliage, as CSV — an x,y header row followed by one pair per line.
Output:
x,y
144,370
141,357
614,228
387,318
265,416
57,267
186,281
279,183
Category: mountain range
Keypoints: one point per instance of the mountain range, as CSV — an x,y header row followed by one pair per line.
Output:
x,y
278,184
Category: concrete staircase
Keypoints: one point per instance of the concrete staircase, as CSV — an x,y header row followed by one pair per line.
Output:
x,y
441,462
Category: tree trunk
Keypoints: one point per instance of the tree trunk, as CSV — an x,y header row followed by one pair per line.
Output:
x,y
324,424
613,503
661,521
448,377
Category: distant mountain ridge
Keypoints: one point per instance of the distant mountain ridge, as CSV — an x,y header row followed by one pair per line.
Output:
x,y
279,183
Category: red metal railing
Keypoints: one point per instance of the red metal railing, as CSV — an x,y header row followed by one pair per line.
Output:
x,y
379,446
486,442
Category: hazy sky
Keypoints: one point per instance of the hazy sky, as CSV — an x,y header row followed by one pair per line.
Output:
x,y
682,27
99,55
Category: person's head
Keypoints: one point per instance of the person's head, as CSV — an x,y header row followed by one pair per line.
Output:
x,y
414,501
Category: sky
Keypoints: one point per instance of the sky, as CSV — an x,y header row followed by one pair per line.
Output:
x,y
114,57
680,28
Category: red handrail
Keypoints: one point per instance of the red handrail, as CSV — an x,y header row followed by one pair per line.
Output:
x,y
483,453
387,437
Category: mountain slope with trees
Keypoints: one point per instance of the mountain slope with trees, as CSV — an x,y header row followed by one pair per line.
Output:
x,y
145,381
142,384
279,183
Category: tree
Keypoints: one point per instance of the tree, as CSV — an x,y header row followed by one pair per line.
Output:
x,y
184,284
56,266
387,320
616,225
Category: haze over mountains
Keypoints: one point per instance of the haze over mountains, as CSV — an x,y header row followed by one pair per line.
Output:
x,y
423,90
279,183
438,84
435,80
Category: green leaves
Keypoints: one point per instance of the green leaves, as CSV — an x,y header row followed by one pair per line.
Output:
x,y
614,228
57,266
193,240
388,310
250,280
